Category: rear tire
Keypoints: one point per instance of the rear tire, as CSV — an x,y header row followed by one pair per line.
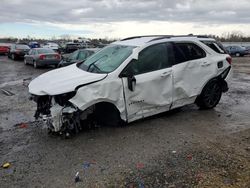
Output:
x,y
210,95
35,64
13,57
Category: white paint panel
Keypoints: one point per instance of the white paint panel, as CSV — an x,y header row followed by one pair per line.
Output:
x,y
153,92
107,90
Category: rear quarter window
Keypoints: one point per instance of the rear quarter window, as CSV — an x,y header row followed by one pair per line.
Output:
x,y
187,51
215,46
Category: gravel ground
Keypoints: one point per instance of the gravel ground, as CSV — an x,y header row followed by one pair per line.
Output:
x,y
187,147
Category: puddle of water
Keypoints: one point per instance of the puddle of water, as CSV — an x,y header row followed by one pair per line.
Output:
x,y
11,83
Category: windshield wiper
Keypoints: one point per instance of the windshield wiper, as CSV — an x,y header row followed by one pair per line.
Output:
x,y
93,64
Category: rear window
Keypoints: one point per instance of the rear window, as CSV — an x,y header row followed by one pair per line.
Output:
x,y
22,46
45,51
216,46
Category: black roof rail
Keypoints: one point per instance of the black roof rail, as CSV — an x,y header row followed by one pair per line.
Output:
x,y
191,35
129,38
172,36
159,37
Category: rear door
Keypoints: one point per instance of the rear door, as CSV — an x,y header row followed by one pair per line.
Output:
x,y
152,92
28,57
192,69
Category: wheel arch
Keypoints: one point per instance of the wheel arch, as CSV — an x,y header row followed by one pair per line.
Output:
x,y
102,103
220,78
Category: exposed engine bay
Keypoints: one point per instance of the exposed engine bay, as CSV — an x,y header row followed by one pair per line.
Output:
x,y
59,115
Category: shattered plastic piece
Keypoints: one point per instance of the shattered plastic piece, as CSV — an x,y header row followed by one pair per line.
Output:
x,y
6,165
86,165
174,151
23,126
141,184
139,165
189,157
77,178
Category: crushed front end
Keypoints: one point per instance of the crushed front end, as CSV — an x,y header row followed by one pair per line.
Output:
x,y
58,114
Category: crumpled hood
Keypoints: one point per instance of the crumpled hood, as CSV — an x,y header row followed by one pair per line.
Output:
x,y
62,80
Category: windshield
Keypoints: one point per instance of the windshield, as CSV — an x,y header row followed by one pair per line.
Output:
x,y
22,46
107,59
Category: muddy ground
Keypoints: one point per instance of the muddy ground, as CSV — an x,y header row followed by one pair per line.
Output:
x,y
184,148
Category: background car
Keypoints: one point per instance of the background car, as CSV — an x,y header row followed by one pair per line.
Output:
x,y
236,50
248,49
18,51
4,48
51,45
42,57
34,45
70,47
77,56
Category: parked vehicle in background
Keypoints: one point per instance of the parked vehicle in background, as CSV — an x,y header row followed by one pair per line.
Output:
x,y
131,79
71,47
18,51
34,45
42,57
51,45
236,51
248,49
77,56
4,48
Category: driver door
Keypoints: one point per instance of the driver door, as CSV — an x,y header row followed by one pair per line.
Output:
x,y
151,79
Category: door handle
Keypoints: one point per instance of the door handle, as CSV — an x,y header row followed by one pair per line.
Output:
x,y
204,64
164,74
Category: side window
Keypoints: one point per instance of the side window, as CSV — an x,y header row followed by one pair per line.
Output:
x,y
33,52
152,58
179,55
82,55
74,55
188,51
216,46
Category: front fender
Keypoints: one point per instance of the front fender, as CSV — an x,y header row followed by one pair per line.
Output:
x,y
103,91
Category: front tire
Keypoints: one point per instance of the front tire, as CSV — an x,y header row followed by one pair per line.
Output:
x,y
210,95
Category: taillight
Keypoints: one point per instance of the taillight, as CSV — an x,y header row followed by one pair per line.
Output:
x,y
58,56
229,60
42,57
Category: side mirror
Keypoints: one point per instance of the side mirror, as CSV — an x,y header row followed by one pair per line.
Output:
x,y
131,83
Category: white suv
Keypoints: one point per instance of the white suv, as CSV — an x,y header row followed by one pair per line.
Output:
x,y
131,79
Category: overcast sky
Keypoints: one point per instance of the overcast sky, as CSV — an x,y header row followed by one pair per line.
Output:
x,y
122,18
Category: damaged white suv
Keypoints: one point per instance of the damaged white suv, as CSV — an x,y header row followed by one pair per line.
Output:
x,y
131,79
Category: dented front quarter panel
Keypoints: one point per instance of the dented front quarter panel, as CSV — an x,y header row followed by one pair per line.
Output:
x,y
107,90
